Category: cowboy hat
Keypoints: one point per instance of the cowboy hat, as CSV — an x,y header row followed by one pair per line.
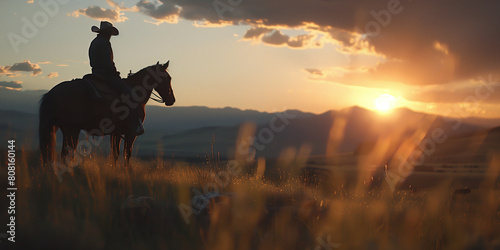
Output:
x,y
106,27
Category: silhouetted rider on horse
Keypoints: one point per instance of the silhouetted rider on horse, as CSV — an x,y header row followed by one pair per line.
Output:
x,y
101,61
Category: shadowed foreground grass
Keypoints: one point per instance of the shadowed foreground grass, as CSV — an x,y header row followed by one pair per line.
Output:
x,y
92,208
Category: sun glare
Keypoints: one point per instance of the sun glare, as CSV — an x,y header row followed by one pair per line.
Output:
x,y
384,103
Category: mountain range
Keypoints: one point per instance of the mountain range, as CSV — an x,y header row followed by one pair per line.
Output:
x,y
197,131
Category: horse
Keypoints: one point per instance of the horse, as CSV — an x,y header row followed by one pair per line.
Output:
x,y
71,106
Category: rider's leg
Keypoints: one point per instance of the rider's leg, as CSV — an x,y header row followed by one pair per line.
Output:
x,y
134,121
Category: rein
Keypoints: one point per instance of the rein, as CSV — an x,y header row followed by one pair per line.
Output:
x,y
159,100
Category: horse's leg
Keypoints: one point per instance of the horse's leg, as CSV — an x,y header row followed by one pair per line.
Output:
x,y
70,140
115,146
65,147
47,144
127,151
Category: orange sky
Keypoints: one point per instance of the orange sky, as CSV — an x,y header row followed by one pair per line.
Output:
x,y
431,56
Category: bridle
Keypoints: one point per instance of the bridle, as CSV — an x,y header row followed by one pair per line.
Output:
x,y
159,100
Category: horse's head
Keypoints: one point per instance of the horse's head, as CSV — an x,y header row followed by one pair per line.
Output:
x,y
164,87
153,77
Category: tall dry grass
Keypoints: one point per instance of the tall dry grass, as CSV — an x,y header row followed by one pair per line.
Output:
x,y
92,208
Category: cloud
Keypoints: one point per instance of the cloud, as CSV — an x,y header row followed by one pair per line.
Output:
x,y
120,7
422,42
98,13
482,89
278,38
4,70
25,66
193,10
14,85
315,72
52,75
275,38
256,32
416,43
115,14
167,11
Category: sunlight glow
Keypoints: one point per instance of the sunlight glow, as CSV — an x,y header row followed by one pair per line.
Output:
x,y
384,103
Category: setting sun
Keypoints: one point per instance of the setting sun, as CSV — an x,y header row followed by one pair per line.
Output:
x,y
384,103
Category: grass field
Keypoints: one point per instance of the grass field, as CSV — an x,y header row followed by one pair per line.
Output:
x,y
168,204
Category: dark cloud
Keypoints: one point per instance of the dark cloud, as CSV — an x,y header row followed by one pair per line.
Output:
x,y
276,37
115,14
422,42
166,11
315,72
26,66
96,12
301,41
256,32
412,35
16,85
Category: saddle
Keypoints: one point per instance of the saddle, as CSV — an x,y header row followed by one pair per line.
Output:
x,y
99,88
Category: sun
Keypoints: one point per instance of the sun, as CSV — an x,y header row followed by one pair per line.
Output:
x,y
384,103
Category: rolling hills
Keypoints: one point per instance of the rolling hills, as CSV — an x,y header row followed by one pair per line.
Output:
x,y
195,131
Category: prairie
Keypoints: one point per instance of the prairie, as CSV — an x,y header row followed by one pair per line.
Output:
x,y
213,204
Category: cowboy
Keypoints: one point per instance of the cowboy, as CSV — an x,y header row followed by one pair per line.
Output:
x,y
101,61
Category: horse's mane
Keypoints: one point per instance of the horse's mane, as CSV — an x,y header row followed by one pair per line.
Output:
x,y
140,72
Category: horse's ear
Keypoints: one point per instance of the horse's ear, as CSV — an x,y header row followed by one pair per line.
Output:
x,y
157,63
166,64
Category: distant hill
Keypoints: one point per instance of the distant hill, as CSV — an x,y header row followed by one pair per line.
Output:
x,y
180,117
160,121
194,131
167,119
22,101
20,126
476,147
176,119
350,130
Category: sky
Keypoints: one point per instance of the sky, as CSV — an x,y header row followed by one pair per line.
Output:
x,y
431,56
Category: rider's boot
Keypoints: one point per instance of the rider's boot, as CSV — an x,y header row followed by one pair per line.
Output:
x,y
135,122
139,128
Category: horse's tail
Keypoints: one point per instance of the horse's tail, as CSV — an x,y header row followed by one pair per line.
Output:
x,y
46,131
